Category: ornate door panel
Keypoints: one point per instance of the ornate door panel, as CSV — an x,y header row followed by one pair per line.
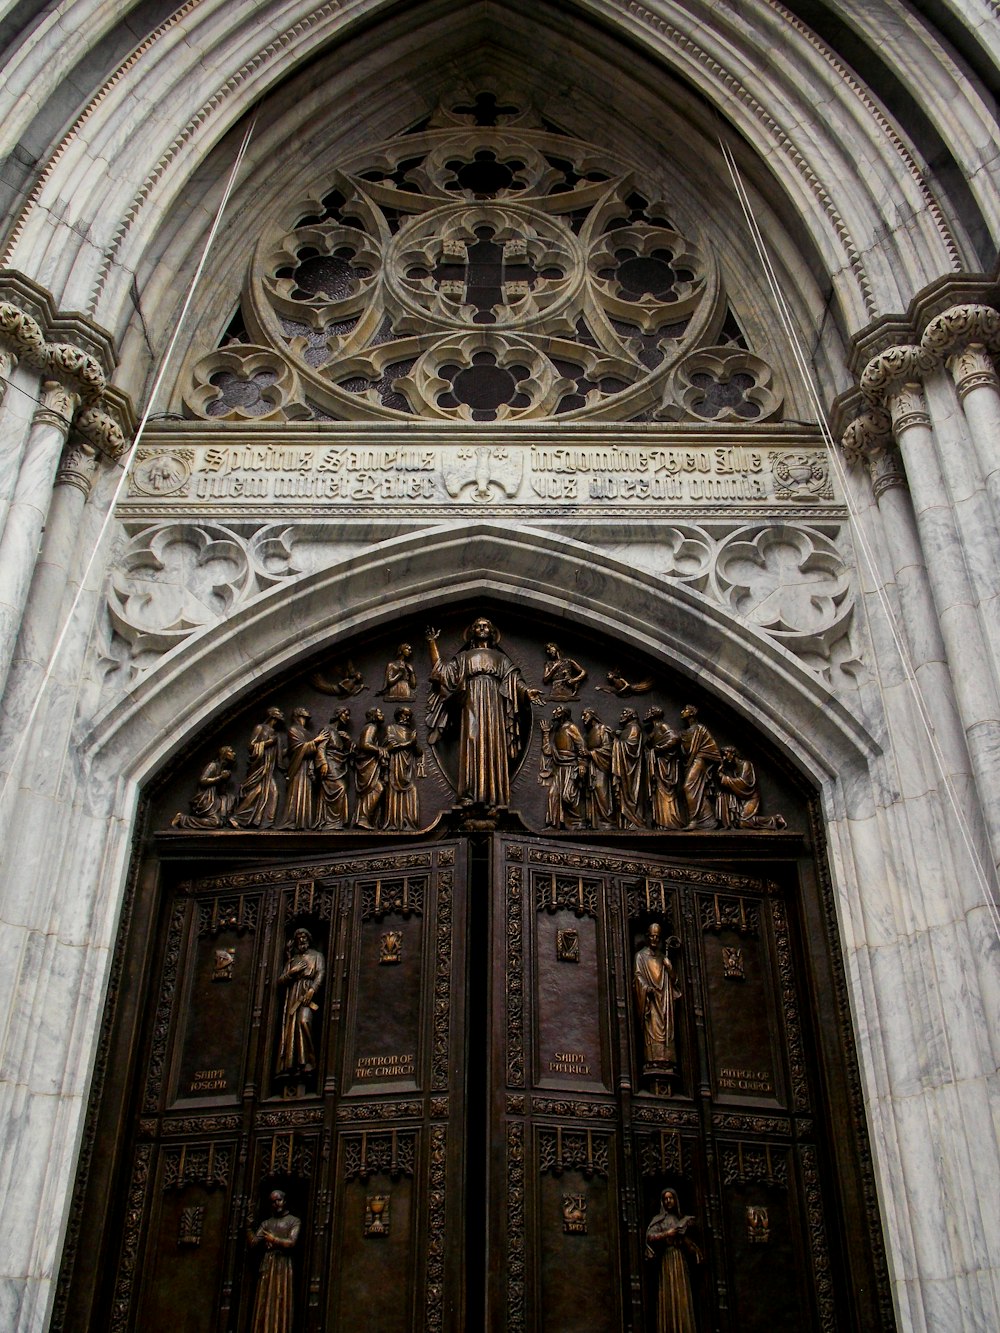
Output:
x,y
595,1125
306,1038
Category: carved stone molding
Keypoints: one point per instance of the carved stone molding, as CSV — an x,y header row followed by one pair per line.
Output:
x,y
176,578
56,406
81,372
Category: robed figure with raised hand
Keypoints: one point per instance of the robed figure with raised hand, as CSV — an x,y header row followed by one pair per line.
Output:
x,y
481,691
655,993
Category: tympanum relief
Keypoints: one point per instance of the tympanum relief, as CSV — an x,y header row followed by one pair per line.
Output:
x,y
623,750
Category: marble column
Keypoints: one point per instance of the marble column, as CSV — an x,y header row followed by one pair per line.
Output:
x,y
29,507
895,380
52,587
22,353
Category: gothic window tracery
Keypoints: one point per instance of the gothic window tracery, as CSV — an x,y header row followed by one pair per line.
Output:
x,y
483,268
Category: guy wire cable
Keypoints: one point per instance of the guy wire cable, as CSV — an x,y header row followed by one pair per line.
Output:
x,y
984,878
26,726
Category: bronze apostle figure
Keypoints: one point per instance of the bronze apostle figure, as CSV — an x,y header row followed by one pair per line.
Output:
x,y
480,691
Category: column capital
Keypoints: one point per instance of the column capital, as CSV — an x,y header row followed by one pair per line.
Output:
x,y
78,464
966,338
56,406
893,380
22,336
866,434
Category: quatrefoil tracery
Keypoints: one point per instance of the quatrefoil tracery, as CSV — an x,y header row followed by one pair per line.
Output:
x,y
371,298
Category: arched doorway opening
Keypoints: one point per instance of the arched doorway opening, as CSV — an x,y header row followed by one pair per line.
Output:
x,y
472,1035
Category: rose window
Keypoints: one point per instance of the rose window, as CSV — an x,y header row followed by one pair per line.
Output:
x,y
483,267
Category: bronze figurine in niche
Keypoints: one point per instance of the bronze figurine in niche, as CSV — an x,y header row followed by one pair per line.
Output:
x,y
257,802
403,760
300,773
738,801
225,959
400,676
213,802
667,1239
562,675
563,771
333,758
370,761
303,976
377,1214
574,1213
273,1308
391,947
347,681
655,997
481,692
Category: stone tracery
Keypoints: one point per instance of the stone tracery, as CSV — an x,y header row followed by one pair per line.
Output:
x,y
482,272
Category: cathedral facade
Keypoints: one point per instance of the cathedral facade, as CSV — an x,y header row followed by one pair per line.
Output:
x,y
500,666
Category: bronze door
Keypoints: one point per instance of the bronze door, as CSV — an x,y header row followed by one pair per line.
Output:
x,y
587,1135
326,1065
440,1042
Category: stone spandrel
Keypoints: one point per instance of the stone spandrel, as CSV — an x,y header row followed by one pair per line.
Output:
x,y
668,471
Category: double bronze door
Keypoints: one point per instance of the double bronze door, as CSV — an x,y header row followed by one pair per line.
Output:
x,y
436,1054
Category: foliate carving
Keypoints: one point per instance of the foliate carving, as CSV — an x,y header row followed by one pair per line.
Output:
x,y
55,407
238,913
375,1111
389,1153
526,276
161,1023
286,1154
586,1151
577,894
971,368
961,326
819,1248
666,1116
436,1208
200,1124
745,1163
207,1164
129,1255
739,914
790,1007
869,432
515,978
22,335
579,1110
289,1117
82,371
663,1154
885,466
515,1257
102,431
403,895
441,1037
748,1122
77,465
894,380
190,1226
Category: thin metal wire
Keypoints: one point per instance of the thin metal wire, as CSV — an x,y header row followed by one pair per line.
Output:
x,y
109,517
986,879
